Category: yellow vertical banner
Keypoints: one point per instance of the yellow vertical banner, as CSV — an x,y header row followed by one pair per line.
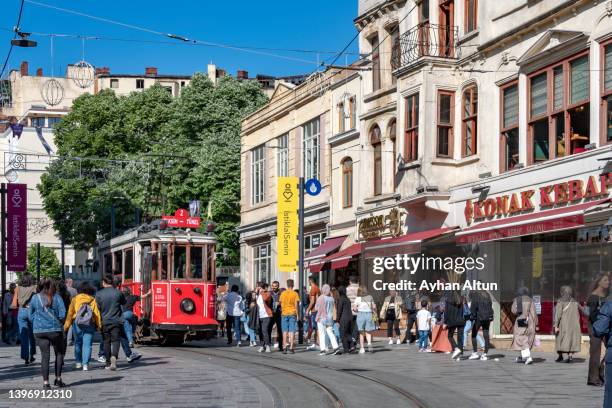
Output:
x,y
287,223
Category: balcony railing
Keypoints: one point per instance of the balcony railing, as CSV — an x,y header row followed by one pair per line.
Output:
x,y
425,40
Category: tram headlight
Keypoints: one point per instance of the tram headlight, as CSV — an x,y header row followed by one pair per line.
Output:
x,y
187,305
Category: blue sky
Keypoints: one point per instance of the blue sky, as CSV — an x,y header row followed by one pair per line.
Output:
x,y
323,25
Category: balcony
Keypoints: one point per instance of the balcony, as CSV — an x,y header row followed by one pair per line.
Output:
x,y
425,40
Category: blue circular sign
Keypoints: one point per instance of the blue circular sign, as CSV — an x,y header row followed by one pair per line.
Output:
x,y
313,187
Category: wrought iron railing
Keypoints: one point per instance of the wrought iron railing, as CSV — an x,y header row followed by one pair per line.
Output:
x,y
425,40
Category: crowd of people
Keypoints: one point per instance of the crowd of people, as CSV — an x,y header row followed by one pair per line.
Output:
x,y
51,314
337,320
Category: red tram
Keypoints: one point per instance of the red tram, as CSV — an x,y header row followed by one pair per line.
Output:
x,y
178,268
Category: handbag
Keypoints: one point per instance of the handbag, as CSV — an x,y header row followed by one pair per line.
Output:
x,y
523,322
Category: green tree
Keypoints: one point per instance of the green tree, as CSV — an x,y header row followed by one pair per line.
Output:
x,y
49,264
164,152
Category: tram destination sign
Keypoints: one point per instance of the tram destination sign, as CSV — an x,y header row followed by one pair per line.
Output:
x,y
181,219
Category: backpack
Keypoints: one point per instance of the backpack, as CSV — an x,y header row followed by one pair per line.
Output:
x,y
84,315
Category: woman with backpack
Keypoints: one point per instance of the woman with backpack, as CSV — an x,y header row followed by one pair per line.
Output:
x,y
84,317
46,313
596,299
524,326
391,312
454,320
25,290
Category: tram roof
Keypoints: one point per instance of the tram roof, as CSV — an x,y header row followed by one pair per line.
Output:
x,y
152,232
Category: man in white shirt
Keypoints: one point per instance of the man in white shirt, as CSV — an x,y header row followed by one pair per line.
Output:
x,y
234,309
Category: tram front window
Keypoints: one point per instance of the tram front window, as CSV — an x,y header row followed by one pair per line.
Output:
x,y
196,262
180,258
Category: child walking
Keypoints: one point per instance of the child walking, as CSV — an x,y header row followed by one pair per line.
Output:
x,y
423,325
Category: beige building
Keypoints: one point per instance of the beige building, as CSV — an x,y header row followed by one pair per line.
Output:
x,y
461,103
290,136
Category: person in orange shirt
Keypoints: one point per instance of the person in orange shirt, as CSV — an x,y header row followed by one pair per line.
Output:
x,y
314,294
289,300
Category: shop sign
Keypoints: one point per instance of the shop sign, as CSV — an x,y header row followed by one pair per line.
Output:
x,y
550,196
181,219
381,225
287,223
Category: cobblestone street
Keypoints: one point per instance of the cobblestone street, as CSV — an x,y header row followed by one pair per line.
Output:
x,y
208,374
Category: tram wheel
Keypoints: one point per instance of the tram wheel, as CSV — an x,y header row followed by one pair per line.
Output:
x,y
172,340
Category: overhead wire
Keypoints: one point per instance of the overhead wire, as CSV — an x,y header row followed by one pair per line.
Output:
x,y
15,29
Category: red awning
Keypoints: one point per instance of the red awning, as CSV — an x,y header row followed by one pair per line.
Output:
x,y
536,223
315,259
342,258
410,238
330,245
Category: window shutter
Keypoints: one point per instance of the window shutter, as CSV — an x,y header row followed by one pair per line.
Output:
x,y
538,95
580,79
510,106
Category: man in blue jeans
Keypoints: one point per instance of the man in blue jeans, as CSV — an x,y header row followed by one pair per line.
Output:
x,y
602,327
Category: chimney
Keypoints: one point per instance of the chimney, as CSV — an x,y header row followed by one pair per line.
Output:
x,y
102,71
242,75
23,68
151,71
39,72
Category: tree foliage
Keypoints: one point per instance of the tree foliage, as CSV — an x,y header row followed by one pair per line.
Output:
x,y
49,264
159,152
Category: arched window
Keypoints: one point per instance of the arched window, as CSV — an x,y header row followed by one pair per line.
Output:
x,y
392,136
375,140
469,140
347,182
341,117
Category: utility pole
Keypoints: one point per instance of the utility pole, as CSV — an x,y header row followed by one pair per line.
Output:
x,y
3,248
63,262
301,248
38,262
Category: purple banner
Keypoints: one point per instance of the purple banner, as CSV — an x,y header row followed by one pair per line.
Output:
x,y
16,227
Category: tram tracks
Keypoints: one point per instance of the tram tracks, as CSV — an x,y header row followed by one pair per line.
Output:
x,y
336,402
415,402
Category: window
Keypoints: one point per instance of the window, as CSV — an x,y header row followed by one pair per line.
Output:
x,y
341,117
607,94
394,41
469,141
392,138
38,122
114,83
376,141
375,63
352,113
446,112
312,241
258,165
346,114
53,120
128,271
310,149
262,262
446,30
559,109
471,15
283,155
509,127
140,84
424,35
347,182
411,142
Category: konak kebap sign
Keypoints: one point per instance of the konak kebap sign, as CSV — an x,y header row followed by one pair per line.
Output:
x,y
549,196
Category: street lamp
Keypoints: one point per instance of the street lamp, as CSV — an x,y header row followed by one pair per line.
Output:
x,y
23,41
